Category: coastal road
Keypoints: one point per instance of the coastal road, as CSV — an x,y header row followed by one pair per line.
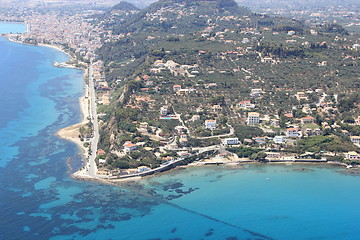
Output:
x,y
91,167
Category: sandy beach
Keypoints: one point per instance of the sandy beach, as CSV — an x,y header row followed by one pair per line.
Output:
x,y
57,48
72,132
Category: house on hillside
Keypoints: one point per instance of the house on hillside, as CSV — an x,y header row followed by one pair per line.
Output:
x,y
129,147
245,105
268,60
307,120
272,156
253,118
293,132
183,139
355,139
301,96
255,93
183,92
279,139
216,108
195,118
311,132
163,110
176,88
230,141
210,124
260,140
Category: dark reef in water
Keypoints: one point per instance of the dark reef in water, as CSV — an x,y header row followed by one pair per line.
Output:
x,y
303,170
173,186
351,172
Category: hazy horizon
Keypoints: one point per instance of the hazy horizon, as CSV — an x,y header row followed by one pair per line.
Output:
x,y
306,4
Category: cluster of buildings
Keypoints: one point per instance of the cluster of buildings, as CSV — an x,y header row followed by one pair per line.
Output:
x,y
174,68
73,31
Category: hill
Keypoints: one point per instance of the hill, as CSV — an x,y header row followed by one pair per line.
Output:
x,y
179,16
176,64
125,6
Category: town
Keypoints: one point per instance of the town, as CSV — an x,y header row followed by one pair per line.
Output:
x,y
228,92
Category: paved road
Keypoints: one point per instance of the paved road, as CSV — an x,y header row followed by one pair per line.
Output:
x,y
219,136
169,164
91,165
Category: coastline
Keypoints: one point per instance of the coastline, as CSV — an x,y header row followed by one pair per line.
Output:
x,y
71,133
56,47
231,165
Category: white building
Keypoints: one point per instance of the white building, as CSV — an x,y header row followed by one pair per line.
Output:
x,y
176,88
352,156
290,33
355,139
246,105
356,46
307,120
245,40
268,60
230,141
279,139
256,92
293,132
196,118
163,110
129,147
183,138
210,124
253,118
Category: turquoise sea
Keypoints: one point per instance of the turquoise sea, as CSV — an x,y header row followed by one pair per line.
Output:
x,y
38,199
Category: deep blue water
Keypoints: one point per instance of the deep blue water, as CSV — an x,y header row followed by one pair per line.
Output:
x,y
38,199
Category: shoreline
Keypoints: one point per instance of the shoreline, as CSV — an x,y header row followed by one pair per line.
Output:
x,y
71,133
232,165
56,47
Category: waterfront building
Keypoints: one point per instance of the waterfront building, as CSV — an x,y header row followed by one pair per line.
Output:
x,y
352,156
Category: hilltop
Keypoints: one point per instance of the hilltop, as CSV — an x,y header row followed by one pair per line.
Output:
x,y
178,16
125,6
